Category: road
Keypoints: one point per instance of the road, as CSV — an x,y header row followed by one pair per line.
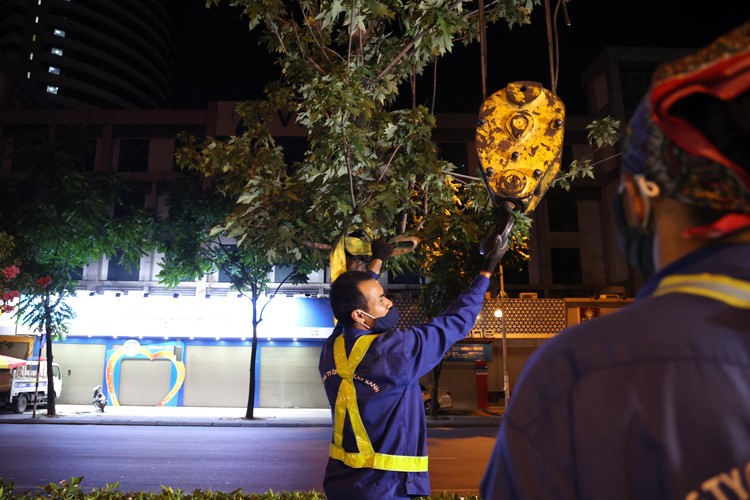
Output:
x,y
143,458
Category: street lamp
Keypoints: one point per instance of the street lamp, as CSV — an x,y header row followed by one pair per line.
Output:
x,y
499,314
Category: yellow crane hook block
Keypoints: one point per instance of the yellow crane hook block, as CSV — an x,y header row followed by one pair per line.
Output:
x,y
519,142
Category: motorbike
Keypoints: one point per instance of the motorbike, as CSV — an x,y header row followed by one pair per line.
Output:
x,y
99,400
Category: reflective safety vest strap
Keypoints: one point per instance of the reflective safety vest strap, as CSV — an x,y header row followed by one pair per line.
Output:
x,y
346,404
731,291
379,461
346,400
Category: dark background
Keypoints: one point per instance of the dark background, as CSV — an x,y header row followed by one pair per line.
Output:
x,y
218,58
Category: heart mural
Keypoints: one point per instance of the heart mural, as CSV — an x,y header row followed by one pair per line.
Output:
x,y
132,349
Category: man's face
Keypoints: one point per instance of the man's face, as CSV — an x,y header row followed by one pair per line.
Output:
x,y
377,303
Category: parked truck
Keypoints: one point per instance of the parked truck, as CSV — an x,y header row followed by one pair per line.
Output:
x,y
19,385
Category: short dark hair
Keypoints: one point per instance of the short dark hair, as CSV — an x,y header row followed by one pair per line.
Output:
x,y
346,297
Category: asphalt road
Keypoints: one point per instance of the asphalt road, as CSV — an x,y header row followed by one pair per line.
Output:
x,y
143,458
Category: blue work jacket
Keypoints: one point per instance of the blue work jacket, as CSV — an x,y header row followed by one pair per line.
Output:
x,y
652,401
390,399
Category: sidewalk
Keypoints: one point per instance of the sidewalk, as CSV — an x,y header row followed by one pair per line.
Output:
x,y
223,417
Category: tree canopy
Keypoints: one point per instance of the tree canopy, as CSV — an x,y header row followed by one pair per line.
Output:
x,y
61,217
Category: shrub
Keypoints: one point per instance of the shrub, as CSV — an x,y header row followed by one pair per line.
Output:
x,y
71,490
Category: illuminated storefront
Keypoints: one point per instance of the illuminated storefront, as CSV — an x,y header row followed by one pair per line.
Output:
x,y
194,350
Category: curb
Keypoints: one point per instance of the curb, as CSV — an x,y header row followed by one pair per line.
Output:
x,y
144,416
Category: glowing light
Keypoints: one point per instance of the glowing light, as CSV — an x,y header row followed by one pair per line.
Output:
x,y
498,313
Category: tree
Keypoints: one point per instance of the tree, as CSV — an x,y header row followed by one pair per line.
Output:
x,y
370,167
60,216
192,249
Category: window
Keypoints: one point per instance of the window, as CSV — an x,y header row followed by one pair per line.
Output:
x,y
562,213
566,266
52,89
224,277
54,70
133,155
280,273
88,156
59,33
76,274
121,271
635,80
516,275
57,51
134,198
404,278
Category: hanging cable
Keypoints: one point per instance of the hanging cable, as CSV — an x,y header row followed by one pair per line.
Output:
x,y
553,41
483,48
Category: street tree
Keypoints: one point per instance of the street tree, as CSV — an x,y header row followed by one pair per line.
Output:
x,y
370,167
192,249
61,216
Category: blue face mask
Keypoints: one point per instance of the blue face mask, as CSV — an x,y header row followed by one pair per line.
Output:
x,y
635,242
386,323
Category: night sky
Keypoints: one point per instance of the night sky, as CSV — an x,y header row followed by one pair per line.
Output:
x,y
219,59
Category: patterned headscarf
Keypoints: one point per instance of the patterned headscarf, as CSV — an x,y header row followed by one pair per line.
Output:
x,y
675,154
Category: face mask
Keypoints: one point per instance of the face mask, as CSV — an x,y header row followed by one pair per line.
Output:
x,y
387,322
635,242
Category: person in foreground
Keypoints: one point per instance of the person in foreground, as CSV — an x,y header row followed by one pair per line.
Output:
x,y
371,371
653,401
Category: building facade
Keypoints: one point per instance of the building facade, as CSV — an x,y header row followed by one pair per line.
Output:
x,y
86,54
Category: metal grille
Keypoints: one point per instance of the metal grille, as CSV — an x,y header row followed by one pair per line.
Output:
x,y
524,318
409,311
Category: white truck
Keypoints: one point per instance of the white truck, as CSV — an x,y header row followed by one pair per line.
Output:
x,y
18,385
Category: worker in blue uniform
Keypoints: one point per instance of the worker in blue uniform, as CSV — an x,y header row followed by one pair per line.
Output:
x,y
371,371
653,401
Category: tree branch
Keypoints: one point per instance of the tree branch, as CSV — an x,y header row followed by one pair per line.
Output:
x,y
408,47
316,246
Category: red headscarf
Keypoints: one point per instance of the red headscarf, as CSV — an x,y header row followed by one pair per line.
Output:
x,y
675,153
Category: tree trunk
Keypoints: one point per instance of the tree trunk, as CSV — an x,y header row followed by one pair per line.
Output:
x,y
435,382
249,414
51,408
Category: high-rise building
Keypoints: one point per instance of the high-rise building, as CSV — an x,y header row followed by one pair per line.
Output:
x,y
78,54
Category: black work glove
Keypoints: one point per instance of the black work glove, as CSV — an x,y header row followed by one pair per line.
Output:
x,y
493,249
381,249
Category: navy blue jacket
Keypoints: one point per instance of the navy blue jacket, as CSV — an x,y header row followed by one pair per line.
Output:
x,y
652,401
390,398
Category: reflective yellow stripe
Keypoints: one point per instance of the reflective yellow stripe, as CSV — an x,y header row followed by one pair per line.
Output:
x,y
379,461
731,291
346,400
346,403
338,259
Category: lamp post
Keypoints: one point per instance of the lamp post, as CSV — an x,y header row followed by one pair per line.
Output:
x,y
500,313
